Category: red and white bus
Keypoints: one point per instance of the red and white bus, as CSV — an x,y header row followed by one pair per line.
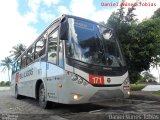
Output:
x,y
74,61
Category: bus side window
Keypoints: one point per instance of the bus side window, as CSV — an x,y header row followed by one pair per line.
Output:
x,y
30,55
52,47
14,68
40,48
18,65
23,61
60,50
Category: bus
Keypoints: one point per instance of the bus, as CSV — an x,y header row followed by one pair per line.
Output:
x,y
74,61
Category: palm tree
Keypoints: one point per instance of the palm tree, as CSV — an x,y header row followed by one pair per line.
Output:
x,y
17,51
6,63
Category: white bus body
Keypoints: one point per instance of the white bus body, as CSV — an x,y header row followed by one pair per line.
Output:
x,y
47,72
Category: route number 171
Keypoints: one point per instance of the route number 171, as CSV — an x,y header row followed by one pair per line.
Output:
x,y
94,79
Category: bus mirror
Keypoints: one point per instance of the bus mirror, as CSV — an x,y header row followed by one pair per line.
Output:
x,y
63,34
107,34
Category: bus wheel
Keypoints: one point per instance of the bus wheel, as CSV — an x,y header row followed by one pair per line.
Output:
x,y
16,93
42,98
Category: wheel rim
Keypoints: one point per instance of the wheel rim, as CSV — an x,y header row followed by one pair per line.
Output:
x,y
42,96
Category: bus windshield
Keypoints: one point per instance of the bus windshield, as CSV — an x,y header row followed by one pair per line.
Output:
x,y
93,44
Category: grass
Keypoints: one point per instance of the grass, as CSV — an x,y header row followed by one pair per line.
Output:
x,y
156,92
137,87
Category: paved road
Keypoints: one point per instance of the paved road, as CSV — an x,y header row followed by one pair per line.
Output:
x,y
121,109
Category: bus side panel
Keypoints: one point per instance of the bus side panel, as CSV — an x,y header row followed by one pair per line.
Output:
x,y
28,78
13,83
52,82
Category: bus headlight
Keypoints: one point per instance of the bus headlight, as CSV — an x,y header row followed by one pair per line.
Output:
x,y
129,93
75,97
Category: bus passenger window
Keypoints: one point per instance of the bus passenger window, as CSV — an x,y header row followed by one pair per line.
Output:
x,y
23,59
61,60
40,48
30,55
52,47
18,65
14,68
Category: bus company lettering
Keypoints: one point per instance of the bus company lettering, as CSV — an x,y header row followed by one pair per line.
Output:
x,y
26,73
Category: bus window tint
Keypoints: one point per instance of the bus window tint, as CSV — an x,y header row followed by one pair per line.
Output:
x,y
18,65
61,61
40,48
23,63
52,47
30,55
14,68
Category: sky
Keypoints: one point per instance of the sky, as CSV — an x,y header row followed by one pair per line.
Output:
x,y
21,21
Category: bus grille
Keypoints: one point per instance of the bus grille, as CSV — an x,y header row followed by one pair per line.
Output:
x,y
106,94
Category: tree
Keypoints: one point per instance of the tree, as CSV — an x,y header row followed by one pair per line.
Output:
x,y
8,83
6,63
156,14
2,83
140,41
156,59
147,76
17,51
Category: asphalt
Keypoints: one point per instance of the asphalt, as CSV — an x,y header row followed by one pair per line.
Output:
x,y
138,95
139,105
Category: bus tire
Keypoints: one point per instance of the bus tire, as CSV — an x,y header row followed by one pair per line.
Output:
x,y
42,97
16,93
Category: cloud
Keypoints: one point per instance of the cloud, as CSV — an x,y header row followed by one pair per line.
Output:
x,y
50,2
145,10
102,15
33,5
82,8
14,29
47,17
63,10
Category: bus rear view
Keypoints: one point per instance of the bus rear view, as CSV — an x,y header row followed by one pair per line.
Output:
x,y
94,64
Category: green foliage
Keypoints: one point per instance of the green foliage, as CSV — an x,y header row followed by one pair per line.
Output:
x,y
17,51
6,63
137,87
8,83
156,14
2,83
156,92
140,41
148,76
